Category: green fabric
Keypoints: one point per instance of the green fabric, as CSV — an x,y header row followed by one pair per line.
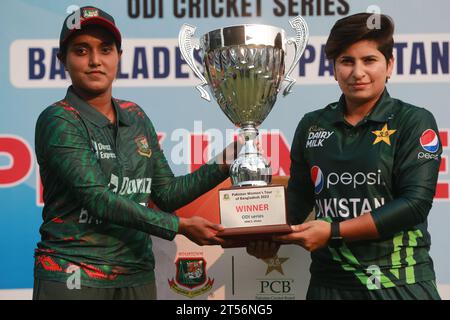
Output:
x,y
419,291
377,166
97,179
52,290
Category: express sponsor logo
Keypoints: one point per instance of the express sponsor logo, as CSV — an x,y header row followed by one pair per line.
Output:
x,y
317,179
103,151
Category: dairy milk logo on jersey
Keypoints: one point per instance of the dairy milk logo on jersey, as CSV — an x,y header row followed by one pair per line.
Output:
x,y
317,179
430,141
317,136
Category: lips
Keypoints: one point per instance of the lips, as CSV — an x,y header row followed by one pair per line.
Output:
x,y
95,72
359,85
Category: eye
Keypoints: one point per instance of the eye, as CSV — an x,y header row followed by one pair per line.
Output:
x,y
107,49
80,51
370,59
346,61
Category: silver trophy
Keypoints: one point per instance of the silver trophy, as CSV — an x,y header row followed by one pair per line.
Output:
x,y
244,66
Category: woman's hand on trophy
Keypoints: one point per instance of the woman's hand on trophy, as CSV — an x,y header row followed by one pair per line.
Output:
x,y
263,249
201,231
310,235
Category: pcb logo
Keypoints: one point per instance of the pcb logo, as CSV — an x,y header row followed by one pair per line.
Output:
x,y
191,279
142,145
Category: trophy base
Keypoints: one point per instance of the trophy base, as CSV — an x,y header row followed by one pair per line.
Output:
x,y
241,237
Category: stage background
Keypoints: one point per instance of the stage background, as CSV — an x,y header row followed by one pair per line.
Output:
x,y
153,75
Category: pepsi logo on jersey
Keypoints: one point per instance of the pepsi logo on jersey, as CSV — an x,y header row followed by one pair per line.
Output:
x,y
429,141
317,179
354,179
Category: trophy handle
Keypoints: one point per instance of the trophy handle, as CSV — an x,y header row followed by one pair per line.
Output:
x,y
187,45
299,42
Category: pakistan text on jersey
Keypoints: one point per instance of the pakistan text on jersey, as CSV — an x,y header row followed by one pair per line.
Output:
x,y
346,208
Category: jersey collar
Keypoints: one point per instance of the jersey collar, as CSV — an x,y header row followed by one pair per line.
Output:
x,y
91,114
382,112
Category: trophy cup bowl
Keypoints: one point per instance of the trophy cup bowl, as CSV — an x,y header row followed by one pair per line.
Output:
x,y
244,67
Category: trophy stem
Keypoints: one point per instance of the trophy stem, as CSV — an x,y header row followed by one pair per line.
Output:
x,y
250,134
250,168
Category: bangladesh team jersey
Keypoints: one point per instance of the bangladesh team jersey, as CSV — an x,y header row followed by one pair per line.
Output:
x,y
388,165
98,178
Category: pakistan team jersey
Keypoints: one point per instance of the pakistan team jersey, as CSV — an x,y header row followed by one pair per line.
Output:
x,y
388,165
98,178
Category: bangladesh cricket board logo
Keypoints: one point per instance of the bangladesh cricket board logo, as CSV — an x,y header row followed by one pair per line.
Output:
x,y
142,145
191,279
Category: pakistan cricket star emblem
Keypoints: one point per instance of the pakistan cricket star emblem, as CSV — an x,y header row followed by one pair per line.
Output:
x,y
383,135
191,274
275,264
142,145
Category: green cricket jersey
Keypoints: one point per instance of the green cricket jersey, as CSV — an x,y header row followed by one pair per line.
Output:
x,y
387,164
98,178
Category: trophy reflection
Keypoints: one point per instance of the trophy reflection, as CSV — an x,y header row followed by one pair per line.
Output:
x,y
244,67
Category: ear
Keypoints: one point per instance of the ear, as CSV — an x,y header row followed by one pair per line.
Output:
x,y
119,54
390,67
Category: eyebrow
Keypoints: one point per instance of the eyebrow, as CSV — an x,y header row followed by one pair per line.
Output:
x,y
364,57
85,44
370,56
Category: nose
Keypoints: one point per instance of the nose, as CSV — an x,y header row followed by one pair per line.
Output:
x,y
358,70
94,59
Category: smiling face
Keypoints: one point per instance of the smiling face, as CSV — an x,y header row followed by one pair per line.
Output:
x,y
361,71
92,60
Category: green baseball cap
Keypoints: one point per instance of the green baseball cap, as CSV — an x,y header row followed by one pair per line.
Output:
x,y
88,15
